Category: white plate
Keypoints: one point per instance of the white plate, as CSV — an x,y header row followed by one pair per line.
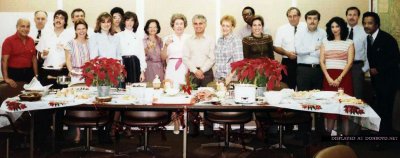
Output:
x,y
324,94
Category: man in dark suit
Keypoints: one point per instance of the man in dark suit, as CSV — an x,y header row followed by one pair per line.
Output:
x,y
383,56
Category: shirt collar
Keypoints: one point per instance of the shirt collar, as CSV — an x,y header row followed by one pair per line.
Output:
x,y
196,37
16,36
227,37
375,34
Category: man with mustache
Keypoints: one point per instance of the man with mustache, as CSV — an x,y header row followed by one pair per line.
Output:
x,y
360,64
384,58
309,73
51,47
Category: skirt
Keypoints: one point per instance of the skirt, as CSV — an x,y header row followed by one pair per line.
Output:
x,y
346,84
132,67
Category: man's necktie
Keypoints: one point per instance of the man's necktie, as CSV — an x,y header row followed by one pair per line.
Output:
x,y
351,34
370,40
39,34
295,29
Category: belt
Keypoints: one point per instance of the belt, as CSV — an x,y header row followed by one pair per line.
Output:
x,y
309,65
128,56
178,63
358,62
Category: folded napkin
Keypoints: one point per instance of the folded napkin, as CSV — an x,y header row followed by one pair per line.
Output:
x,y
35,85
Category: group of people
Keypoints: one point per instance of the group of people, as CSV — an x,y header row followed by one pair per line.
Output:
x,y
315,58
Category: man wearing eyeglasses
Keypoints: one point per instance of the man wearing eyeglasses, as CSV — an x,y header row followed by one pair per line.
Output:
x,y
248,13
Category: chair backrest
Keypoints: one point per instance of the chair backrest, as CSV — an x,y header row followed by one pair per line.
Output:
x,y
336,151
145,115
85,114
6,91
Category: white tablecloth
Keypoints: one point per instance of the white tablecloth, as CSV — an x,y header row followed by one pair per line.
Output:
x,y
369,119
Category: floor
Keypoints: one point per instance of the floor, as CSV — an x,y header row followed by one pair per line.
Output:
x,y
294,148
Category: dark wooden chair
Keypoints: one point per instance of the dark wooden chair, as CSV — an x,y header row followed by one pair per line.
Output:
x,y
18,128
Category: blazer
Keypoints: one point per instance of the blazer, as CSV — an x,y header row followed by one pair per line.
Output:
x,y
384,55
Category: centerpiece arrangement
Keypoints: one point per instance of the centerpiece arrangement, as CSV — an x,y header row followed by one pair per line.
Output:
x,y
263,73
103,73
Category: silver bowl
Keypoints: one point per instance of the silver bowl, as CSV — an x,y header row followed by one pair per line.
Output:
x,y
63,80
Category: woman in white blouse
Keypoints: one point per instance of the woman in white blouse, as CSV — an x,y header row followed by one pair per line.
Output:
x,y
103,43
132,49
172,52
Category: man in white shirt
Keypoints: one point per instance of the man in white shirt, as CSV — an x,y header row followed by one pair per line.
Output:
x,y
360,64
307,46
284,44
309,73
77,14
198,56
51,46
40,20
248,13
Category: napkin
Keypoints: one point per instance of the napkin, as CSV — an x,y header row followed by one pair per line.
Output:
x,y
35,85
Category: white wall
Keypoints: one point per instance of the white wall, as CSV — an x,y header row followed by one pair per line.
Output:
x,y
273,11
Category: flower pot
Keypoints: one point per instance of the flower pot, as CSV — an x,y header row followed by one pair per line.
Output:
x,y
260,91
103,91
245,93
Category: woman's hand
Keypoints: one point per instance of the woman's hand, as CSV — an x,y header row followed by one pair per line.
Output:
x,y
169,41
331,82
338,81
141,78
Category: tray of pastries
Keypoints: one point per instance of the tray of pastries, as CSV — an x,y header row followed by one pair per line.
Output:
x,y
30,96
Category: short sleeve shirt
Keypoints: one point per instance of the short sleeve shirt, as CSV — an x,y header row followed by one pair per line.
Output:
x,y
20,54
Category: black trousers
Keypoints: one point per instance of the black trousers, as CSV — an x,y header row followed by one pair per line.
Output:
x,y
385,86
194,126
358,77
309,78
208,77
45,80
291,66
21,74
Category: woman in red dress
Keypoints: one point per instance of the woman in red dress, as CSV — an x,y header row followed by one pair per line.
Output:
x,y
336,59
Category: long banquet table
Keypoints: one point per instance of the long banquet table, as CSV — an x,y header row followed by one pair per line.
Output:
x,y
369,119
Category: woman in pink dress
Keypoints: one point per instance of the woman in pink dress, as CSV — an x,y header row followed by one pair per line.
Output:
x,y
336,59
152,46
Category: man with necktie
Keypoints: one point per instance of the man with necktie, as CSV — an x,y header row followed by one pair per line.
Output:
x,y
383,56
360,64
40,20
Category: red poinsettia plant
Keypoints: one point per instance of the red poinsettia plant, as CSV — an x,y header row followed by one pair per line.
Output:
x,y
263,72
103,72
